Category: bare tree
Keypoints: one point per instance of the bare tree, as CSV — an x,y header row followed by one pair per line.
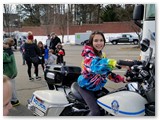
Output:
x,y
62,20
7,20
47,17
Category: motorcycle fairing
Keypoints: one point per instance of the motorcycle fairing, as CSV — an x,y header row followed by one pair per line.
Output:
x,y
123,103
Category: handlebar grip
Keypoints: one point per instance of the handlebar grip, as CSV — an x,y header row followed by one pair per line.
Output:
x,y
119,67
125,63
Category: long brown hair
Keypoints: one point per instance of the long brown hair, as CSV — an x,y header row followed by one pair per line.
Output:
x,y
90,42
40,42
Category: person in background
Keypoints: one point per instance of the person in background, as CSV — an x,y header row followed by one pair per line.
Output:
x,y
51,61
35,41
51,58
60,52
20,41
46,54
7,95
31,50
15,43
41,56
54,41
48,41
94,72
10,68
23,51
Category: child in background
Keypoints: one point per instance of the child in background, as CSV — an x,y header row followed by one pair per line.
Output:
x,y
60,52
46,54
10,68
51,58
41,56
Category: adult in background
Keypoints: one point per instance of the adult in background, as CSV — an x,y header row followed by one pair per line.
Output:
x,y
10,68
22,51
48,41
15,43
54,41
31,51
35,41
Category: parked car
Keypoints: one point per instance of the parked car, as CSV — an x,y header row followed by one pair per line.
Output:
x,y
84,42
124,38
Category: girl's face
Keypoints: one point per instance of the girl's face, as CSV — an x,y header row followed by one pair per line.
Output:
x,y
98,42
59,46
40,45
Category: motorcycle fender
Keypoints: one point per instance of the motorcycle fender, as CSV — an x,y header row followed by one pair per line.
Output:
x,y
48,100
123,103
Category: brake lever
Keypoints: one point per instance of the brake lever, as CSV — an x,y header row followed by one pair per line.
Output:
x,y
119,67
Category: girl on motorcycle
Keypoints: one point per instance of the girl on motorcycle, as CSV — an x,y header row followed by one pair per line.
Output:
x,y
94,71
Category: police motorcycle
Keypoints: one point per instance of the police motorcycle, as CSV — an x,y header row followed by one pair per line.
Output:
x,y
136,98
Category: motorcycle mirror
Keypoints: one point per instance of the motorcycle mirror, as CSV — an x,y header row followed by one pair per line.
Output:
x,y
150,56
144,45
140,67
65,73
134,68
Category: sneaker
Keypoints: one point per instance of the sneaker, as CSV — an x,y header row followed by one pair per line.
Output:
x,y
15,103
34,75
38,78
31,78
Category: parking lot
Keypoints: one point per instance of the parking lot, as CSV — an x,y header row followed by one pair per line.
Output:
x,y
25,88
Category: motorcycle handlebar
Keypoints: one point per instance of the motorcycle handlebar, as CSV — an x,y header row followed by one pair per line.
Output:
x,y
130,63
119,67
125,63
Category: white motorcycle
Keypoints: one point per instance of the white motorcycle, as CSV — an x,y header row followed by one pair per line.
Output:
x,y
137,98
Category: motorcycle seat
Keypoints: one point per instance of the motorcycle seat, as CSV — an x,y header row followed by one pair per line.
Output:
x,y
74,90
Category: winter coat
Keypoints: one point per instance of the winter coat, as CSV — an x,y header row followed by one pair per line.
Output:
x,y
22,48
31,50
48,43
46,53
95,70
9,64
60,53
54,42
41,55
51,59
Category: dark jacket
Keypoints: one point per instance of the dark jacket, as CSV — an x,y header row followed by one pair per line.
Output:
x,y
59,55
22,48
42,51
54,42
9,64
31,50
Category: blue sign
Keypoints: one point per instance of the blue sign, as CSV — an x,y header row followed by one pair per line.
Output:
x,y
39,104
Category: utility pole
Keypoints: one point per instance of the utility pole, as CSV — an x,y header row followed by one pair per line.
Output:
x,y
68,23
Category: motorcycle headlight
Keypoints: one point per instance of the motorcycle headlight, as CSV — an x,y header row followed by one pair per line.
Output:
x,y
50,75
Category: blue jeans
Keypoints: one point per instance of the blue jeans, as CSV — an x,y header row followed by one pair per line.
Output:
x,y
14,93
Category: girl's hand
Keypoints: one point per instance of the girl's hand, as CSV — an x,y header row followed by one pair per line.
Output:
x,y
116,78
